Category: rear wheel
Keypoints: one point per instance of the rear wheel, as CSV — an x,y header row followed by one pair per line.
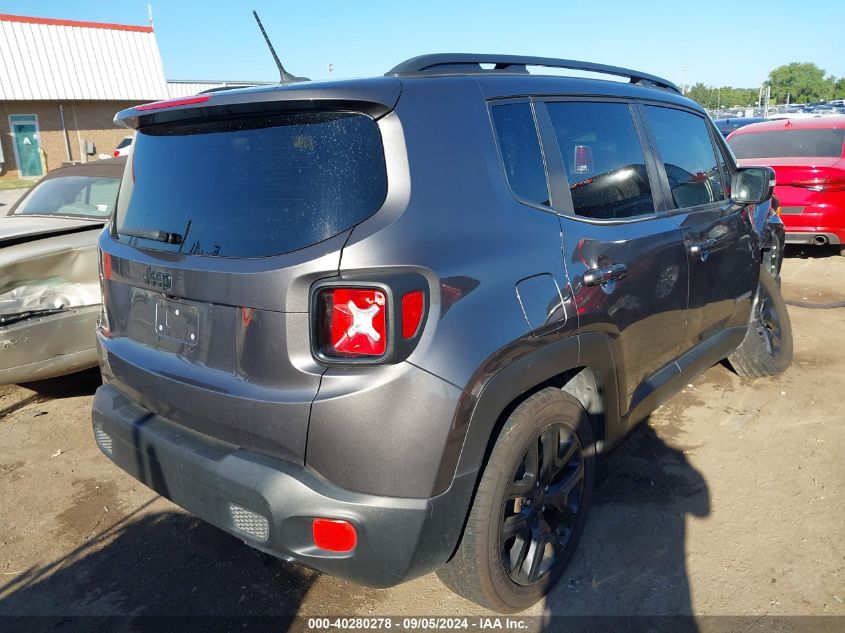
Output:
x,y
530,508
766,349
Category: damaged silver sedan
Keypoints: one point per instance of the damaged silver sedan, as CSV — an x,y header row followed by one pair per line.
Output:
x,y
49,283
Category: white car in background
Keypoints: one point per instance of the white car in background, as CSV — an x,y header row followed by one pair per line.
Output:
x,y
123,147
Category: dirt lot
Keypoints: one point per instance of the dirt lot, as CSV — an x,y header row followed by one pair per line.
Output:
x,y
727,501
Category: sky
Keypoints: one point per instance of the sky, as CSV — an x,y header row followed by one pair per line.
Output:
x,y
719,42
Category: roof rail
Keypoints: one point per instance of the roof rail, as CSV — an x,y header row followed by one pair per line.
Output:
x,y
465,63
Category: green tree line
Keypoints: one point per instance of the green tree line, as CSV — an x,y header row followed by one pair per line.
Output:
x,y
798,82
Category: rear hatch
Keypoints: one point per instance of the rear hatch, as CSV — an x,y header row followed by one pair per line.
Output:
x,y
231,206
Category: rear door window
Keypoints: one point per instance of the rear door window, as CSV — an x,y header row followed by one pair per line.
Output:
x,y
686,149
788,143
252,186
603,158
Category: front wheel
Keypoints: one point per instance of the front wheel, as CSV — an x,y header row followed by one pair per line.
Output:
x,y
530,507
766,349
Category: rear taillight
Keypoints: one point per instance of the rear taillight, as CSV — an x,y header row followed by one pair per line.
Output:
x,y
105,273
812,178
821,184
368,321
412,310
354,322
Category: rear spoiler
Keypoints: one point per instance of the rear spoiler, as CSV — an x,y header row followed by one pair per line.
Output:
x,y
375,97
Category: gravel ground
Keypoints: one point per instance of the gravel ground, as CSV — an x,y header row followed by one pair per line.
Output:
x,y
727,501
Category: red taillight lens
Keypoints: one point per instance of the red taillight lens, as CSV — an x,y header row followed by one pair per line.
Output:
x,y
106,259
117,152
412,310
105,273
821,184
354,322
334,535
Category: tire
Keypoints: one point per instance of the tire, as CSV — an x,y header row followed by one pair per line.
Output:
x,y
841,250
478,570
766,349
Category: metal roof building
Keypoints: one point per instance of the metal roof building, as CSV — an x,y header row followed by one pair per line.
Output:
x,y
61,83
177,88
45,59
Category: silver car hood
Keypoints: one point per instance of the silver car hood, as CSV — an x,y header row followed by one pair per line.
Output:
x,y
22,228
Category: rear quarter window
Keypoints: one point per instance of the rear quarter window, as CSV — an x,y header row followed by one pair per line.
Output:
x,y
252,186
520,150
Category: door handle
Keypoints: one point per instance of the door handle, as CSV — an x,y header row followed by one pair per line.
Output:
x,y
703,248
600,276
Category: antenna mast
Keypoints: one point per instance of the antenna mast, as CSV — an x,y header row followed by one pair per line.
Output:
x,y
284,76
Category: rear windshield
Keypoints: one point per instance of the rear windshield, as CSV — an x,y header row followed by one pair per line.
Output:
x,y
788,143
76,196
252,187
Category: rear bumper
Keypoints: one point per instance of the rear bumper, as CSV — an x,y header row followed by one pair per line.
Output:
x,y
398,538
805,219
812,237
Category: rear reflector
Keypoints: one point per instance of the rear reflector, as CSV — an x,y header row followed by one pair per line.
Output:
x,y
354,322
103,440
249,522
334,535
172,103
412,309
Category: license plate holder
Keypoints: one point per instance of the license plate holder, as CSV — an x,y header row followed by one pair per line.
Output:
x,y
177,322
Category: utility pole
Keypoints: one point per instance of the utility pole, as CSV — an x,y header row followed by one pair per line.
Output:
x,y
684,84
150,14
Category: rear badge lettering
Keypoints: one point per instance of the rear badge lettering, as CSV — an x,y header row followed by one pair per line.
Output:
x,y
158,279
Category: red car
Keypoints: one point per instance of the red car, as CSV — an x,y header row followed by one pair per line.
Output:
x,y
807,156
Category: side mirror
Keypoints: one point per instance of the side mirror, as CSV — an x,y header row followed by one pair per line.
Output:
x,y
753,185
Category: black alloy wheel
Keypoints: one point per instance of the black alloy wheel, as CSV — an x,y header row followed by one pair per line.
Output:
x,y
542,505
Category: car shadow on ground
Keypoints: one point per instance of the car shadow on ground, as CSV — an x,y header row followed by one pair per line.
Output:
x,y
83,383
632,558
631,561
156,564
801,251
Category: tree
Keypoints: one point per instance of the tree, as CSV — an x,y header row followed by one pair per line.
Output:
x,y
802,82
839,88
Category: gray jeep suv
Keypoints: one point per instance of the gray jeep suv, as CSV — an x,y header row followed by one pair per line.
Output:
x,y
383,327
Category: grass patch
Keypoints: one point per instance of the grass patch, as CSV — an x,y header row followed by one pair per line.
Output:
x,y
16,184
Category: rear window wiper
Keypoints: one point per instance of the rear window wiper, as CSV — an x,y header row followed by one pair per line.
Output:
x,y
153,234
